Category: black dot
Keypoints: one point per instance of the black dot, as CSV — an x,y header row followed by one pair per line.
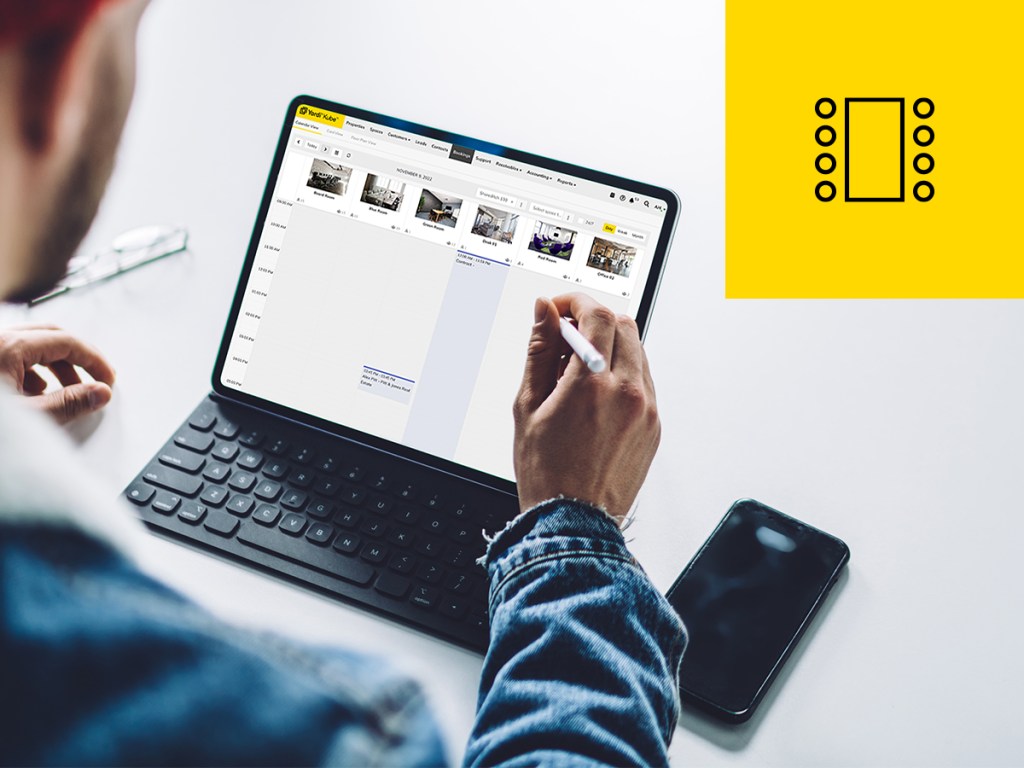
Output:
x,y
927,103
929,191
926,157
829,191
831,136
831,105
923,142
825,157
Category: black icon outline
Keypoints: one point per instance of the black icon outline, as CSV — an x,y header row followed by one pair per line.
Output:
x,y
825,185
903,159
817,135
931,135
931,108
926,185
931,163
818,104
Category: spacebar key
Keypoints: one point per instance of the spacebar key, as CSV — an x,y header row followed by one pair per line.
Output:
x,y
299,551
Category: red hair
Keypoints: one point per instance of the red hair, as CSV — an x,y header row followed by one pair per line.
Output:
x,y
24,21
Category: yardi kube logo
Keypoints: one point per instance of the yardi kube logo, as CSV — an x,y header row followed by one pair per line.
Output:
x,y
303,109
874,152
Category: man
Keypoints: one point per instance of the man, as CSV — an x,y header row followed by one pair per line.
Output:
x,y
102,664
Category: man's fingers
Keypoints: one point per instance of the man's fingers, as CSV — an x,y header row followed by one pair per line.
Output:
x,y
629,353
65,372
595,321
33,383
71,402
45,347
543,357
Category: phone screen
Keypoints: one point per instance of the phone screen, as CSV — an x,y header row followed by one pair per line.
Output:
x,y
746,598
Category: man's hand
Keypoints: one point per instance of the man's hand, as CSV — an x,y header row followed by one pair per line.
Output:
x,y
590,436
23,347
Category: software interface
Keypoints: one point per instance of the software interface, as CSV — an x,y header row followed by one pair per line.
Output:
x,y
394,282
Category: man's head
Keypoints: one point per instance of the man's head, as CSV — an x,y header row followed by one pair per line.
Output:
x,y
67,73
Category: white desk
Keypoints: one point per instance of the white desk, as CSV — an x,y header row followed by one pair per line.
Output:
x,y
895,425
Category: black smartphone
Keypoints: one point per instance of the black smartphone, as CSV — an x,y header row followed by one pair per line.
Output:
x,y
746,598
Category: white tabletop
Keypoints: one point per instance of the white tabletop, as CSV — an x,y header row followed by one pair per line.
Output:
x,y
895,425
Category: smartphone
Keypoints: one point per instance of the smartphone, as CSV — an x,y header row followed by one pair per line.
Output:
x,y
746,597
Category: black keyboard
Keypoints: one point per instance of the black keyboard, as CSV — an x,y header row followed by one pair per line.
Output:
x,y
345,519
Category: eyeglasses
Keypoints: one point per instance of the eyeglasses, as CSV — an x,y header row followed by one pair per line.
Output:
x,y
128,250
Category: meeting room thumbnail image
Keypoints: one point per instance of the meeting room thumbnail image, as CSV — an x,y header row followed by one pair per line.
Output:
x,y
329,177
383,192
611,257
495,224
439,208
553,240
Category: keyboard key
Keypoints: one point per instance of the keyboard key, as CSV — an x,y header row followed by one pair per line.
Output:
x,y
302,552
353,495
268,490
401,537
373,526
463,535
406,492
251,438
424,597
433,523
183,460
250,460
355,473
408,515
433,501
217,472
243,481
277,447
320,509
301,455
240,506
378,482
172,480
203,421
226,429
194,441
225,451
462,513
191,512
327,486
458,557
276,469
214,495
394,586
453,607
326,464
374,553
429,547
347,543
293,524
294,500
379,504
139,493
346,518
301,478
165,503
460,584
402,563
266,514
429,572
320,533
220,523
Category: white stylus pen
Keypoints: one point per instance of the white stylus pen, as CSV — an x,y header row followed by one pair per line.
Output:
x,y
593,359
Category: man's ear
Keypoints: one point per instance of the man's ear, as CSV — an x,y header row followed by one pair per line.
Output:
x,y
47,66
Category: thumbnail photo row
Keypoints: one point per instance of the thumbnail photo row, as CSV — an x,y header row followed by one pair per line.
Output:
x,y
491,223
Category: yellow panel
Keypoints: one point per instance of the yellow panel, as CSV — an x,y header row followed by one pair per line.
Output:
x,y
782,241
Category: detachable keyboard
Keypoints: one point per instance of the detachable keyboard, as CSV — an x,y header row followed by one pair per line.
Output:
x,y
360,524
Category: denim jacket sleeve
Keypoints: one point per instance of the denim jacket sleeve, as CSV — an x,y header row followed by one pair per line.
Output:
x,y
584,656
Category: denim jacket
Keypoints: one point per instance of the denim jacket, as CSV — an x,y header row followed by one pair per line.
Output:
x,y
102,664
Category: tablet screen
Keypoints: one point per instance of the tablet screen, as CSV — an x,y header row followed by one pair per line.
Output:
x,y
391,279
